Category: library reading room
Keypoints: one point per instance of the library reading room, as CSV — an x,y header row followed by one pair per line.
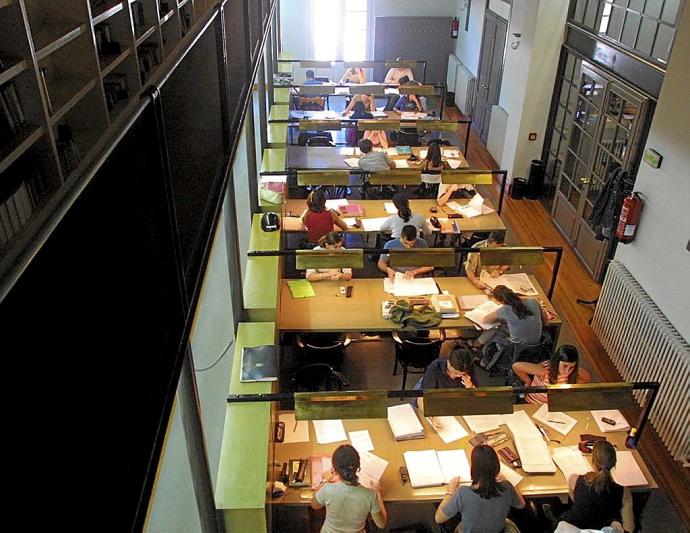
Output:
x,y
347,266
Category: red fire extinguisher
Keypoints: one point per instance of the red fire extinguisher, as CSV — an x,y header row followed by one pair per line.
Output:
x,y
630,218
454,28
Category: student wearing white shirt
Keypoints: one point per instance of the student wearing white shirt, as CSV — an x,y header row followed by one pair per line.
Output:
x,y
394,74
330,241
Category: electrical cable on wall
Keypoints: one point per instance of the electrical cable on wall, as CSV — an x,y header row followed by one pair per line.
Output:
x,y
222,353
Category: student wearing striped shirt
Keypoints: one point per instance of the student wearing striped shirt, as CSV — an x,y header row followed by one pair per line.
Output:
x,y
562,368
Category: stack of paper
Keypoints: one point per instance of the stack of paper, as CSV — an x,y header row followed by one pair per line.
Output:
x,y
328,431
533,451
401,163
373,224
627,471
479,314
447,427
570,461
613,414
336,204
555,420
403,287
295,430
482,423
429,468
518,283
404,422
471,301
390,208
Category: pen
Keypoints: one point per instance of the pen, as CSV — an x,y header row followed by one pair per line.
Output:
x,y
439,288
555,421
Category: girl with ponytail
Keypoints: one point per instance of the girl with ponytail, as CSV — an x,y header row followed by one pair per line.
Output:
x,y
404,217
347,502
598,500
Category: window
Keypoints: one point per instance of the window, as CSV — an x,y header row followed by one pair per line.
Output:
x,y
339,29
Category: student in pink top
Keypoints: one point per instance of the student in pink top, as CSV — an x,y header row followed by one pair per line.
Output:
x,y
562,368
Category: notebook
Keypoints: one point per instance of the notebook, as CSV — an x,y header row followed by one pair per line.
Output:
x,y
404,422
478,314
300,288
259,363
518,283
445,305
430,468
471,301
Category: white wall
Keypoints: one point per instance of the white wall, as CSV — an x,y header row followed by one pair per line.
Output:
x,y
657,258
414,8
469,43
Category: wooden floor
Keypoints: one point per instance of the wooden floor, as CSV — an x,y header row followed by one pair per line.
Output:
x,y
530,224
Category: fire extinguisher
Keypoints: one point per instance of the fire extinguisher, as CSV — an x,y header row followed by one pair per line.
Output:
x,y
454,28
630,218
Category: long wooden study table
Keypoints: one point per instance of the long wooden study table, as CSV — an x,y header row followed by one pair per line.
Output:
x,y
386,447
376,209
333,158
329,311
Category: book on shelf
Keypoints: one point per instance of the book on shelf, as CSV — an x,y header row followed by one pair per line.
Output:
x,y
18,202
68,154
404,422
430,468
115,88
259,363
445,305
12,118
185,20
105,45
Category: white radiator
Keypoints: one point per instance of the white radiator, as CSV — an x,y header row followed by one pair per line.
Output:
x,y
465,83
644,346
453,64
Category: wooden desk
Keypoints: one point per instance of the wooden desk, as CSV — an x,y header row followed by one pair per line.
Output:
x,y
324,157
376,209
533,485
296,114
328,311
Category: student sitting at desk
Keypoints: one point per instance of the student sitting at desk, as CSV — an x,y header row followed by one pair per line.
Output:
x,y
353,75
562,368
331,241
473,265
598,501
407,102
454,372
347,503
395,223
368,101
317,219
485,504
310,79
394,74
432,165
373,161
408,239
359,112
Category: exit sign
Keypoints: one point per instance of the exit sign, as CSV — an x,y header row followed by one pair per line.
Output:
x,y
652,158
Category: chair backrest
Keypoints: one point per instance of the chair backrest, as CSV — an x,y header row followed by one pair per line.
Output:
x,y
319,141
319,377
418,352
535,353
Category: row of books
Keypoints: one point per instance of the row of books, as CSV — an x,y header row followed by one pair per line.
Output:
x,y
17,207
68,154
185,20
115,88
105,45
149,57
139,17
12,118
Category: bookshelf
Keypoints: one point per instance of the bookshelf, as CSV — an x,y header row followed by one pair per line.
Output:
x,y
68,71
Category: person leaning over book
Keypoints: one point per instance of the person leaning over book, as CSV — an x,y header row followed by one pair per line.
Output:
x,y
347,502
354,75
331,241
408,239
373,161
404,217
485,504
453,372
473,265
317,219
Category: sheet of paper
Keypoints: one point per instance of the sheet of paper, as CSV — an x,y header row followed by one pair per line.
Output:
x,y
373,224
454,206
421,114
474,207
401,163
350,221
533,451
447,427
408,115
336,203
328,431
482,423
295,430
627,471
352,162
613,414
390,208
372,468
320,464
403,421
346,150
560,422
391,90
571,462
518,283
379,114
511,475
454,463
422,154
478,314
454,163
449,152
342,90
424,468
392,150
361,441
413,287
471,301
300,288
273,178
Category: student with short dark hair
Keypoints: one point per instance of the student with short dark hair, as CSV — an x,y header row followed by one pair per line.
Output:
x,y
408,239
453,372
317,219
407,102
309,78
485,504
474,266
373,161
347,503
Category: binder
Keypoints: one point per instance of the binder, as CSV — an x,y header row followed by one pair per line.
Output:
x,y
259,363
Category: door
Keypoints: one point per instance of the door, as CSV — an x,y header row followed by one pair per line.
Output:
x,y
490,71
604,125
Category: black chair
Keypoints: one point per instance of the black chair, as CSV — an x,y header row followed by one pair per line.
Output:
x,y
328,348
416,352
319,377
319,140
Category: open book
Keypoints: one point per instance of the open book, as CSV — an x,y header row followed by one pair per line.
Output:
x,y
478,314
352,162
518,283
404,422
430,468
475,207
402,287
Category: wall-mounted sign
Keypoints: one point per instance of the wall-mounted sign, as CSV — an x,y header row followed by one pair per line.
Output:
x,y
652,158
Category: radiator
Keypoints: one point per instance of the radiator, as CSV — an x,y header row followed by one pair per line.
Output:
x,y
644,346
453,64
465,83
